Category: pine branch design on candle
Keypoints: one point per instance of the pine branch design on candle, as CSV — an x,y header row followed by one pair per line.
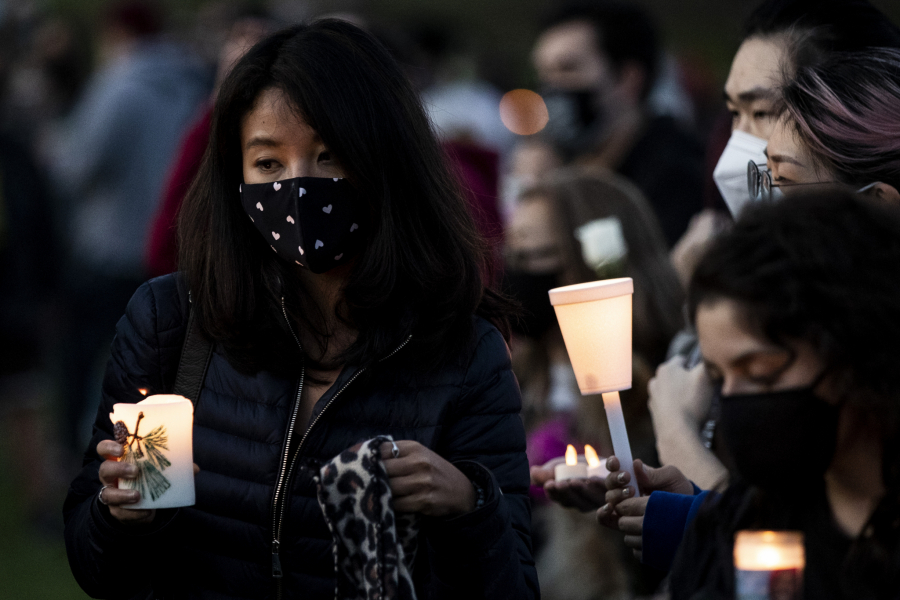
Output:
x,y
145,452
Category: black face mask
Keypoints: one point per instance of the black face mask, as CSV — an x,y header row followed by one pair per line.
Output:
x,y
576,122
530,290
780,440
316,222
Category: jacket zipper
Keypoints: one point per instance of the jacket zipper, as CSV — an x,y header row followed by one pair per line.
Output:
x,y
285,473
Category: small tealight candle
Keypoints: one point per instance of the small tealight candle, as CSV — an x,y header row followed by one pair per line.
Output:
x,y
769,565
572,469
596,465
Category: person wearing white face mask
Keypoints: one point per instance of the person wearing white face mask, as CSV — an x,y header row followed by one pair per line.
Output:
x,y
783,37
780,37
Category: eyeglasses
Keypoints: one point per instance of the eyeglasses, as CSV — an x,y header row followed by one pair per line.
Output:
x,y
759,183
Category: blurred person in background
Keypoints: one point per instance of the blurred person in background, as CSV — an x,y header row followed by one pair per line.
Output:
x,y
246,27
49,70
578,225
462,107
596,64
29,254
461,104
109,164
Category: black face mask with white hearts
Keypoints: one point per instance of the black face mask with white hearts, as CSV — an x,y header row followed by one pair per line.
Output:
x,y
315,222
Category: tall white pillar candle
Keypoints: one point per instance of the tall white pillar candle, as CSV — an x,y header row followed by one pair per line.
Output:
x,y
157,435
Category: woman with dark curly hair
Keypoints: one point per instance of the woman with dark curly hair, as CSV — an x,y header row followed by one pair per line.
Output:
x,y
328,257
798,315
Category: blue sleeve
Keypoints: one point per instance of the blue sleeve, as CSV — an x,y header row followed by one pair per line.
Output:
x,y
665,519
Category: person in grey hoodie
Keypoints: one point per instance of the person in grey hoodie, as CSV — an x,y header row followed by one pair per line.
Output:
x,y
108,165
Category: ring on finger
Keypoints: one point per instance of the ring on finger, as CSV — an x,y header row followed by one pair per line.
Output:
x,y
395,451
100,496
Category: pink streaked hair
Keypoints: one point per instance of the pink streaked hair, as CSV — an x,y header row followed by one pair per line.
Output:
x,y
846,110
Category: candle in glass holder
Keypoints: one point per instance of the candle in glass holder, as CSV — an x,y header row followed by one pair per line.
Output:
x,y
572,469
596,465
768,565
157,436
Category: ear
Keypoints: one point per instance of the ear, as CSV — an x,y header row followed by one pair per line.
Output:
x,y
631,82
885,193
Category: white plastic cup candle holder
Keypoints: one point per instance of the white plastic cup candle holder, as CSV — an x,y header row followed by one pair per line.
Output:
x,y
768,565
159,442
595,320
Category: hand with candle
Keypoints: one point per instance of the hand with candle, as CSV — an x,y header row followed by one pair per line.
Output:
x,y
585,492
625,513
111,470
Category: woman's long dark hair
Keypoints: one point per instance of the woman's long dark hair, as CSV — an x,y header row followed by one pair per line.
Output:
x,y
422,270
824,268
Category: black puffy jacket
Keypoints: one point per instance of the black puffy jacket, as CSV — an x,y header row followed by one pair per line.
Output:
x,y
223,546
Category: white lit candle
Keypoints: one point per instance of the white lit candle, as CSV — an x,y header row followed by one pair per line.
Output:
x,y
596,466
157,435
595,320
769,565
572,469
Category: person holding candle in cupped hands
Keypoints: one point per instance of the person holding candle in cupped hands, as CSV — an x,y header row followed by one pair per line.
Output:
x,y
328,257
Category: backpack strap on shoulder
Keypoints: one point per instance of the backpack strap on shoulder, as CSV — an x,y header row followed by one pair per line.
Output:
x,y
195,356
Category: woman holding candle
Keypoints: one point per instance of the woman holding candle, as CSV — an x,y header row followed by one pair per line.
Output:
x,y
579,225
327,253
798,312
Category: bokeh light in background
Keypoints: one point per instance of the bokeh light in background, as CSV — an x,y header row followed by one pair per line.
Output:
x,y
523,112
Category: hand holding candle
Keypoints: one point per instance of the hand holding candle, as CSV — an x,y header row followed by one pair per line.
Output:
x,y
156,437
595,320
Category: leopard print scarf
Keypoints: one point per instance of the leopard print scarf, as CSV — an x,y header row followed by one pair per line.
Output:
x,y
374,549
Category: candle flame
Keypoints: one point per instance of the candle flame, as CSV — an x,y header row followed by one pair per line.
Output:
x,y
591,455
571,455
143,391
769,557
769,550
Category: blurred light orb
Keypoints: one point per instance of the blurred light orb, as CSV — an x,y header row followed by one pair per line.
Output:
x,y
523,112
